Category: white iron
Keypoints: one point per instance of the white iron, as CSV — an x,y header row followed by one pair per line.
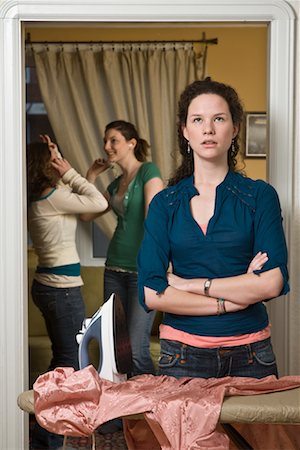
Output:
x,y
108,327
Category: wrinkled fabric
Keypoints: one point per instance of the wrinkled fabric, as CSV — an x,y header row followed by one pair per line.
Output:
x,y
182,413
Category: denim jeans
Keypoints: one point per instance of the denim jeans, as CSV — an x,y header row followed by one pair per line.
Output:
x,y
252,360
63,311
139,322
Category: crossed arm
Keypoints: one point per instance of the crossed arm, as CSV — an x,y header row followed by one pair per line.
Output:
x,y
186,296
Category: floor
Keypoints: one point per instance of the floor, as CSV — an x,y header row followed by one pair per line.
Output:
x,y
110,441
259,436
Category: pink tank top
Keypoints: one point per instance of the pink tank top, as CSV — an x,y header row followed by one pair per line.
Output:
x,y
167,332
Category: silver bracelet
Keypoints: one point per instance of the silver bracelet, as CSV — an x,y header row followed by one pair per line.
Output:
x,y
221,306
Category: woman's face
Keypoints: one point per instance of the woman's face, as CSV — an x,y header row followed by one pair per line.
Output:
x,y
116,147
209,127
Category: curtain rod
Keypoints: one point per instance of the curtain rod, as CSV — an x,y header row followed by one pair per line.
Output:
x,y
201,41
212,41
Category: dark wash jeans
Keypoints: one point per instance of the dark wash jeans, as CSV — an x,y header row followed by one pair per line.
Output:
x,y
139,322
63,311
252,360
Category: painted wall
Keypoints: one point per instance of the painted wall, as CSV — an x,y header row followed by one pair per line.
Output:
x,y
239,58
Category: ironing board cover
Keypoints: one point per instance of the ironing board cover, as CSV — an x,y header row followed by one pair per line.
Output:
x,y
182,413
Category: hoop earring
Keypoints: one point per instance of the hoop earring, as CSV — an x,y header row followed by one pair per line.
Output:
x,y
188,150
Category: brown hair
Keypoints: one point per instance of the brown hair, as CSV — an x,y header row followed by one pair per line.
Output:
x,y
129,131
40,173
193,90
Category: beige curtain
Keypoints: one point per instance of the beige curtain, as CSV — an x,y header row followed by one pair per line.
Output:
x,y
85,86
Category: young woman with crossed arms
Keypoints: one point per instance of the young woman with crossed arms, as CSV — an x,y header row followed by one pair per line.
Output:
x,y
209,223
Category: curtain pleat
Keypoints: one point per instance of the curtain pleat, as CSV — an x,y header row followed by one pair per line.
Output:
x,y
84,87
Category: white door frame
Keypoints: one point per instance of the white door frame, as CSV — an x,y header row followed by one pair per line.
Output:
x,y
13,235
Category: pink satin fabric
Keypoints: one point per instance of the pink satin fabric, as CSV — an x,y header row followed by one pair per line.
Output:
x,y
181,413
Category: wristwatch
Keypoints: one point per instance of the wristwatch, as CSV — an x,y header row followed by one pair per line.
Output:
x,y
207,284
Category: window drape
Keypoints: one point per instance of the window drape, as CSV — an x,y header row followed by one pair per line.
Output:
x,y
86,86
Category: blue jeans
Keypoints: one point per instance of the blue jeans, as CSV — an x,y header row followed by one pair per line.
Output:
x,y
253,360
138,321
63,311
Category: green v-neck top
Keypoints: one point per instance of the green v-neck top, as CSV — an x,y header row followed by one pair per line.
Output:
x,y
124,245
247,219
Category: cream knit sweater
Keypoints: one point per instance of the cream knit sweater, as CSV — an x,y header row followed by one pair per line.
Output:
x,y
52,220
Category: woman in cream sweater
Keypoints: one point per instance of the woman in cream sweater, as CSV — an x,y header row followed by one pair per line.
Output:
x,y
57,194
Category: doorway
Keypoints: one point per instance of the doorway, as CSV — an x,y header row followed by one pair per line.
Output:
x,y
280,19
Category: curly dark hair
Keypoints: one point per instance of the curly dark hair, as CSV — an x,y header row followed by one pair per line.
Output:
x,y
40,173
129,131
193,90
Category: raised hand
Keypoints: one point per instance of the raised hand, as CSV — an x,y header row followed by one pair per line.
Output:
x,y
57,161
61,165
55,153
98,166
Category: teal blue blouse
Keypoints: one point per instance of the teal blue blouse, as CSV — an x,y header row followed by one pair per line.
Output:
x,y
247,219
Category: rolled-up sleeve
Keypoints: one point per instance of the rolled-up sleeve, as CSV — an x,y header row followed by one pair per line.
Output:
x,y
269,233
153,257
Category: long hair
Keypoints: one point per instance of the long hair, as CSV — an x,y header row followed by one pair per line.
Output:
x,y
40,173
129,131
193,90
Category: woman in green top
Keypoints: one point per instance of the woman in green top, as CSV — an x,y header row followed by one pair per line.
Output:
x,y
129,196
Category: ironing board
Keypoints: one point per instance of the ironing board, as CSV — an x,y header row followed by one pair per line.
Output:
x,y
109,325
273,408
276,407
